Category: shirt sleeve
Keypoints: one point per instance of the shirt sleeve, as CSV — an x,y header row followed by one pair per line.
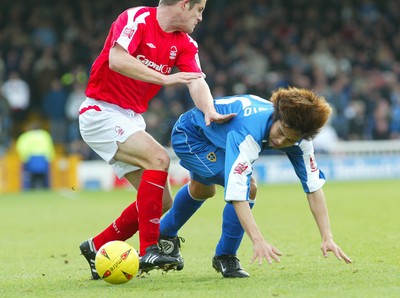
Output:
x,y
128,28
305,165
241,152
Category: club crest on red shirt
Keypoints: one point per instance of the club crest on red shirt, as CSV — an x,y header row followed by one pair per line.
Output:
x,y
172,53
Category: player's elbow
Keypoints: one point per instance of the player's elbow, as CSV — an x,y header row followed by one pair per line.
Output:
x,y
116,59
114,65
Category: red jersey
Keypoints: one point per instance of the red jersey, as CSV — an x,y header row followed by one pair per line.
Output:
x,y
138,32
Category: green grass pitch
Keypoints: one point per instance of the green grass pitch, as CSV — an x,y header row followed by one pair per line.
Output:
x,y
41,231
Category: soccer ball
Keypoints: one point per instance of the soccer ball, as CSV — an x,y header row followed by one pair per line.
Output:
x,y
117,262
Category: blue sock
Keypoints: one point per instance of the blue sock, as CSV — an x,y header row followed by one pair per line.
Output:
x,y
232,232
183,208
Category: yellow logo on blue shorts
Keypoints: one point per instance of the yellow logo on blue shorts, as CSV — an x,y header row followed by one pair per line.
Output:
x,y
212,157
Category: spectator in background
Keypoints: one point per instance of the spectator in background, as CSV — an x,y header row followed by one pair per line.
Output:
x,y
395,118
155,120
17,93
11,60
5,126
44,35
326,140
339,98
45,70
36,150
53,106
357,120
381,121
394,96
74,100
75,80
2,68
75,144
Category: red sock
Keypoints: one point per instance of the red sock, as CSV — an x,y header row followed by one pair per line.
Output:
x,y
123,228
149,200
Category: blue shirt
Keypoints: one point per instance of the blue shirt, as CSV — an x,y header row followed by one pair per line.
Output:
x,y
230,149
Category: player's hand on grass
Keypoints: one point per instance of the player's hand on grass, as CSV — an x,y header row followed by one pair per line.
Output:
x,y
264,250
331,246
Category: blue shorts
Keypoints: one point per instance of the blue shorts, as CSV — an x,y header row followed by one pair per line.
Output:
x,y
204,161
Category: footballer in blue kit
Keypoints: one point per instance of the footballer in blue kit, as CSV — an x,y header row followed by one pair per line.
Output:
x,y
223,154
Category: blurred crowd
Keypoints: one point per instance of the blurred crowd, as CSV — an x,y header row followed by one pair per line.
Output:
x,y
347,51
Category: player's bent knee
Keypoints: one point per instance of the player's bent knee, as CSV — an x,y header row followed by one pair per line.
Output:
x,y
202,192
164,160
159,161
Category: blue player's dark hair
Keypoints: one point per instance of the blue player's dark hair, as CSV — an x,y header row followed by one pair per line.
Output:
x,y
301,110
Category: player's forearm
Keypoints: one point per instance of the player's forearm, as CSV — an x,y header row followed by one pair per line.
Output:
x,y
201,95
120,61
247,221
319,210
136,70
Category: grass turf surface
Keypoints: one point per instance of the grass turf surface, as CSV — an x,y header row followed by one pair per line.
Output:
x,y
41,231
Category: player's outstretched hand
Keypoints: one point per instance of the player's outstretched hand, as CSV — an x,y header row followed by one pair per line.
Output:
x,y
217,118
330,245
264,250
181,78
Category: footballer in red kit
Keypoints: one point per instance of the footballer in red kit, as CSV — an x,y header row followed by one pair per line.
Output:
x,y
144,44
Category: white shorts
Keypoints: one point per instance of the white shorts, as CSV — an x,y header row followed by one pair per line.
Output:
x,y
102,125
